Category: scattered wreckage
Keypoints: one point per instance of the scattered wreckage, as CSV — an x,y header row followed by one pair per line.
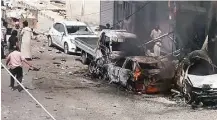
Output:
x,y
196,78
111,59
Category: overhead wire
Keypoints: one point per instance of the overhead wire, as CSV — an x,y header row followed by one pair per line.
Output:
x,y
143,6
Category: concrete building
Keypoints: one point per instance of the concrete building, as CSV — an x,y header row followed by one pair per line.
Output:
x,y
84,10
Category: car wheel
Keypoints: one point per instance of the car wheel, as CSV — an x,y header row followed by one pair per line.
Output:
x,y
50,42
129,85
187,93
66,48
84,58
105,77
92,69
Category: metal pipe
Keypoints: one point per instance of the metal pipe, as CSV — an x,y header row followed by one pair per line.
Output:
x,y
175,91
164,35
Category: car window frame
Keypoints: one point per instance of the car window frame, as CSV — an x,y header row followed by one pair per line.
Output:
x,y
56,28
64,31
126,62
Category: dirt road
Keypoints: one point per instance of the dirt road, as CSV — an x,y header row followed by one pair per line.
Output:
x,y
63,86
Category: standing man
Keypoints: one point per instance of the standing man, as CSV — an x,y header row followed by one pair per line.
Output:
x,y
17,28
13,41
26,34
155,33
14,61
108,26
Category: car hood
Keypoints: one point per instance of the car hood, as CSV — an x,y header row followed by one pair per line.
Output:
x,y
198,81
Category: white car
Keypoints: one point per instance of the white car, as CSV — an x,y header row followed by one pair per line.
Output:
x,y
62,34
199,79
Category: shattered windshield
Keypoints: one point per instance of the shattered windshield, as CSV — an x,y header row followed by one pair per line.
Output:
x,y
83,30
147,66
202,67
129,46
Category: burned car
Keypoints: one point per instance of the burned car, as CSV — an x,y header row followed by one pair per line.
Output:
x,y
138,73
197,78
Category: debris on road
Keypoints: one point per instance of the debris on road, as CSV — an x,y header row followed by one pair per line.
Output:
x,y
57,63
36,58
58,52
41,51
48,98
64,60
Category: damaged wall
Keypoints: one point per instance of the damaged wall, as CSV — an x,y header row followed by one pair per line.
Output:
x,y
212,32
191,22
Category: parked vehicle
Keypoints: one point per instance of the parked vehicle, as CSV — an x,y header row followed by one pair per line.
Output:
x,y
110,42
63,34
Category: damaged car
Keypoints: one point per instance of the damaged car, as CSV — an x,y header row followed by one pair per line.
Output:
x,y
139,73
197,78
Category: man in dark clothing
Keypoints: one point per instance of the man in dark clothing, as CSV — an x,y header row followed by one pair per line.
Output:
x,y
13,41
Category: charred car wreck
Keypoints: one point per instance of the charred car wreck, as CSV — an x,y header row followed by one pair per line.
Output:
x,y
119,58
139,74
197,78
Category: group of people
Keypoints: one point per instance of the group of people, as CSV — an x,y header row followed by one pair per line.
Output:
x,y
19,51
21,39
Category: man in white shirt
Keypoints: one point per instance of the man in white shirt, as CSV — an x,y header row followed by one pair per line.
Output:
x,y
155,33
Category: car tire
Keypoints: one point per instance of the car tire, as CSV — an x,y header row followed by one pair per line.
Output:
x,y
84,58
92,69
187,94
50,42
66,48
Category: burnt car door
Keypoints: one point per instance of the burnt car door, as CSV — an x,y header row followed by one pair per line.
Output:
x,y
125,72
114,68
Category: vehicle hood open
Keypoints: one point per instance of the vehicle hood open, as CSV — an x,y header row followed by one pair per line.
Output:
x,y
198,81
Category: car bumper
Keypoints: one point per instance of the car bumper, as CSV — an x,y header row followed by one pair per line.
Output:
x,y
205,96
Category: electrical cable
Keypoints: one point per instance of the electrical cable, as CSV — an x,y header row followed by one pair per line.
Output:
x,y
133,13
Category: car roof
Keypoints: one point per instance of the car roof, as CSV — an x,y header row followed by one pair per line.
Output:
x,y
118,34
69,23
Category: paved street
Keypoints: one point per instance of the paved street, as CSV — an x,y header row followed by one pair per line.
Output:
x,y
64,87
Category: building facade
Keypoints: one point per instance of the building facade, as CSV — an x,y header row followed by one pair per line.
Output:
x,y
83,10
140,17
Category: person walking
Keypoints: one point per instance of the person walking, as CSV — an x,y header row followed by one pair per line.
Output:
x,y
26,34
14,61
155,33
13,41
